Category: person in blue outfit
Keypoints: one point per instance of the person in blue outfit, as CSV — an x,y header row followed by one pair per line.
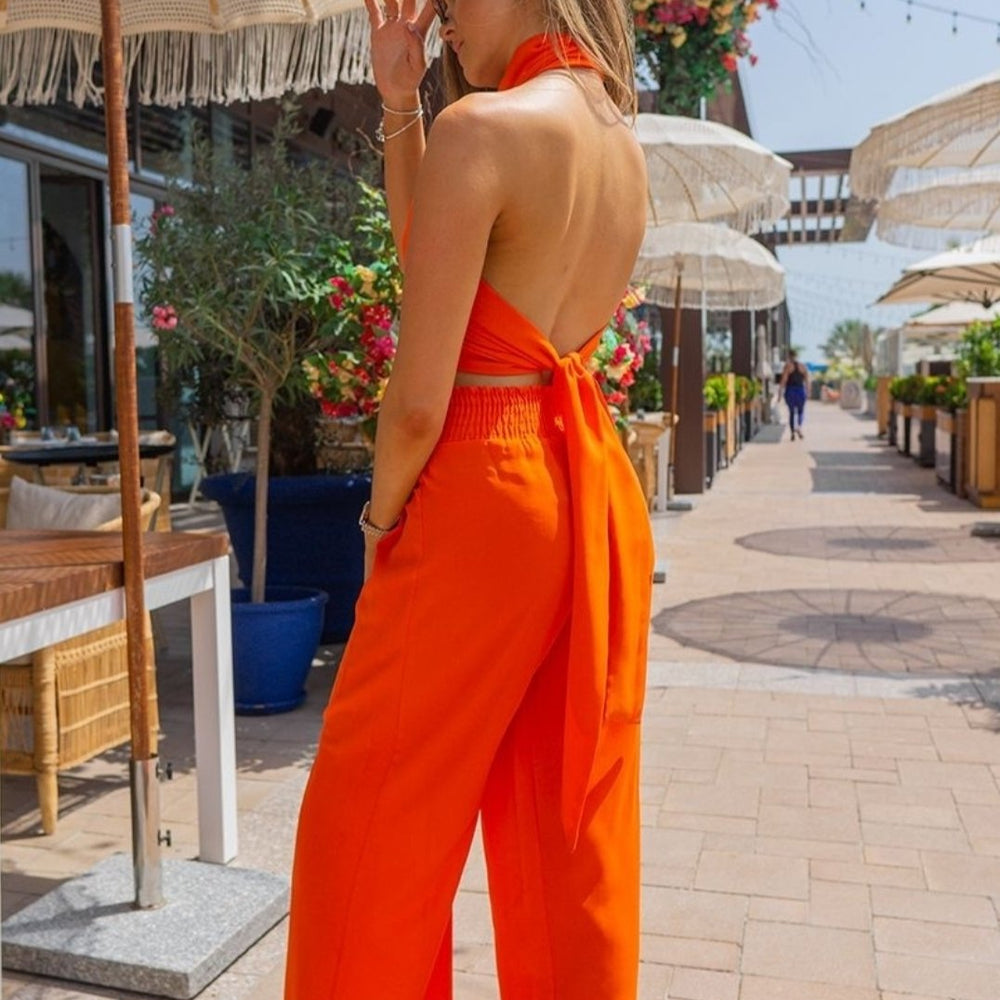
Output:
x,y
794,386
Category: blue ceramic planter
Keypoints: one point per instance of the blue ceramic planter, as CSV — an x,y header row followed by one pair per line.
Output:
x,y
312,536
273,647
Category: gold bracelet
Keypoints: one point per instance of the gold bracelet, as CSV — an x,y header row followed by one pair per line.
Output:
x,y
380,133
370,529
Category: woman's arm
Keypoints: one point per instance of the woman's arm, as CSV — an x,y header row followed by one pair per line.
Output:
x,y
457,200
399,64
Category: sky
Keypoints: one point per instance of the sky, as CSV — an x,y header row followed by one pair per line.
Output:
x,y
829,70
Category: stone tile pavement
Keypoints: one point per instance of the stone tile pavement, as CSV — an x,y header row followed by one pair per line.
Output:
x,y
821,778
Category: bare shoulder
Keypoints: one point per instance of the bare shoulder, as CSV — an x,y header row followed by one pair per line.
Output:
x,y
462,147
469,122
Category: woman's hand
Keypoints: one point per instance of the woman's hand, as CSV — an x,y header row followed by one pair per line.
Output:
x,y
397,39
370,546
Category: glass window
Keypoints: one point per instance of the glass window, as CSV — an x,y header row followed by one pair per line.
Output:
x,y
75,314
165,137
145,339
69,129
17,318
231,133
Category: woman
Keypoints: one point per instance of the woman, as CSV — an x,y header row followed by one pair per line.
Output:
x,y
496,667
794,385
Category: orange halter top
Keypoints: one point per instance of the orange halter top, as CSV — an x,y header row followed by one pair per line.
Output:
x,y
613,556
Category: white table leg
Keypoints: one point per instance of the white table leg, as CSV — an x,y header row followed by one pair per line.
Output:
x,y
214,720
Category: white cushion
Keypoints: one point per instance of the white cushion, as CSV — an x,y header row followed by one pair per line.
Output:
x,y
32,507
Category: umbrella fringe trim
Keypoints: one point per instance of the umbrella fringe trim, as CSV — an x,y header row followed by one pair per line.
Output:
x,y
174,68
876,158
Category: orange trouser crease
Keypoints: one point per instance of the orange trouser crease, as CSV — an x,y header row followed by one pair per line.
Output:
x,y
449,705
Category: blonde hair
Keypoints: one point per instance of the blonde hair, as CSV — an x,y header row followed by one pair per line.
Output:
x,y
604,28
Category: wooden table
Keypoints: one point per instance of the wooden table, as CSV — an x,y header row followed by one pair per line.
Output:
x,y
55,585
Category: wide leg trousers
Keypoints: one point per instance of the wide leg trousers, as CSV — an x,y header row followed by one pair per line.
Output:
x,y
449,705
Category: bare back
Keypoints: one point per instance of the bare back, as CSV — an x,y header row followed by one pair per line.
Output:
x,y
573,199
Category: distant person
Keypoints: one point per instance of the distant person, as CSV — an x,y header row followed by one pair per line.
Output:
x,y
794,385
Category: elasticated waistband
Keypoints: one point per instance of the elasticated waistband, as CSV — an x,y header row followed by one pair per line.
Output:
x,y
484,412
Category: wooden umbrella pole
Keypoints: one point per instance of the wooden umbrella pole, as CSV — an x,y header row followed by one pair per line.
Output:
x,y
145,790
675,382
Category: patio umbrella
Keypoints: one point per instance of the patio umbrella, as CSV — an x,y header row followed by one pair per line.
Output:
x,y
967,274
960,205
184,51
694,264
701,170
690,264
959,128
15,318
949,320
197,50
15,342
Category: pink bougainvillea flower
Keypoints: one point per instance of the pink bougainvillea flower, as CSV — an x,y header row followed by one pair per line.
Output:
x,y
164,317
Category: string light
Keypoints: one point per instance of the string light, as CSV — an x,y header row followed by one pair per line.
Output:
x,y
955,14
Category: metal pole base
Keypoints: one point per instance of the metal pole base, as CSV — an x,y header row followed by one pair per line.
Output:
x,y
146,862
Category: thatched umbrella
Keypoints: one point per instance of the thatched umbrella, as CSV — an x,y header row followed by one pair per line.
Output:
x,y
958,128
699,172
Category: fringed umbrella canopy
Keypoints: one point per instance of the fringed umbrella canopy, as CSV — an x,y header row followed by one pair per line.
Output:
x,y
959,128
184,51
701,171
967,274
955,207
732,270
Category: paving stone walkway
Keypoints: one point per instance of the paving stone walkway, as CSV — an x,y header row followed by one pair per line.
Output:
x,y
821,778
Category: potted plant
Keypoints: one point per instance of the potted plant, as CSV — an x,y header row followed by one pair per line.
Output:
x,y
948,427
746,393
238,267
905,391
716,395
924,419
692,47
979,363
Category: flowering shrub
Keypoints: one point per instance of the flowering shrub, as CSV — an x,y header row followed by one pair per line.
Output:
x,y
349,378
16,391
621,353
692,46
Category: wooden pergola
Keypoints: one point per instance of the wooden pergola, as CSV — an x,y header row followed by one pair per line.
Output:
x,y
823,210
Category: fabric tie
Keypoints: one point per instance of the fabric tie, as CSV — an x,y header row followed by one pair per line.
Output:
x,y
606,677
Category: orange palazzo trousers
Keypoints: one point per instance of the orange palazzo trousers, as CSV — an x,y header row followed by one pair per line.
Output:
x,y
453,702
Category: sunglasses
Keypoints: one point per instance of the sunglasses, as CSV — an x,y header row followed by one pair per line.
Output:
x,y
440,10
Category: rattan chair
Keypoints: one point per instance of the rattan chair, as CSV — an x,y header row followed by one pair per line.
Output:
x,y
69,702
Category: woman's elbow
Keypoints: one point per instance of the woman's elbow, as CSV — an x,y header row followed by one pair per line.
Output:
x,y
417,419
